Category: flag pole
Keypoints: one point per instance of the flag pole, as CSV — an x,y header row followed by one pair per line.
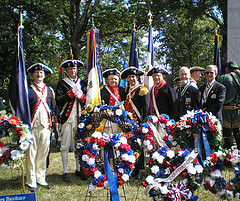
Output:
x,y
23,181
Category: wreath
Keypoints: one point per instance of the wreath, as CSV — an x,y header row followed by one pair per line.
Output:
x,y
165,166
213,174
15,140
89,141
195,122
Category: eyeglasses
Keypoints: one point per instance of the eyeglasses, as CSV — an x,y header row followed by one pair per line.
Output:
x,y
207,72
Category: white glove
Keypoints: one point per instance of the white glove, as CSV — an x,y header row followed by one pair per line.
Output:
x,y
77,91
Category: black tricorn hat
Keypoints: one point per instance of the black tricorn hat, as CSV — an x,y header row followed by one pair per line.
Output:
x,y
39,66
132,70
196,68
71,63
108,72
157,70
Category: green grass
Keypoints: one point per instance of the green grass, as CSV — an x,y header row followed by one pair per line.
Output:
x,y
11,183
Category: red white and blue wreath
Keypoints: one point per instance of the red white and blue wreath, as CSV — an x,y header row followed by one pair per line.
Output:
x,y
16,139
166,166
214,177
89,142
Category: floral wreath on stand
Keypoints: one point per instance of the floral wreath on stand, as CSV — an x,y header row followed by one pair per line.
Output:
x,y
192,123
166,166
15,140
89,141
213,176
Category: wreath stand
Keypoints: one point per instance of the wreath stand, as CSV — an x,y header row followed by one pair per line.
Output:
x,y
89,195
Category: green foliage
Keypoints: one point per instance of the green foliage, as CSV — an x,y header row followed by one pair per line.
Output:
x,y
53,28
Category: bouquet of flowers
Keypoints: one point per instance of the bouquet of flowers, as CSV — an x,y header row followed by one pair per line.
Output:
x,y
168,165
13,146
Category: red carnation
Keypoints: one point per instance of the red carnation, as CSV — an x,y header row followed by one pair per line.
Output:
x,y
144,184
152,141
213,157
184,174
150,163
1,160
173,133
93,139
85,152
195,161
104,177
95,169
150,133
87,171
120,181
100,184
166,163
165,138
147,137
100,142
14,120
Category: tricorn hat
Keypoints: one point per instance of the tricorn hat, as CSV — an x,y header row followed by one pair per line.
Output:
x,y
108,72
131,71
196,68
39,66
157,70
232,64
72,63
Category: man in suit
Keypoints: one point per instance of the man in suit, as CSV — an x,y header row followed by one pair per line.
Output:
x,y
137,102
196,72
70,96
188,96
42,103
231,107
163,97
213,93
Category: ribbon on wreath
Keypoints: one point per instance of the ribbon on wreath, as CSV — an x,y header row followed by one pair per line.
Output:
x,y
110,170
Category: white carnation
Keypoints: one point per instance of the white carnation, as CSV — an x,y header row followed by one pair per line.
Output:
x,y
91,161
132,159
125,157
24,145
215,173
146,142
139,142
154,169
95,146
123,140
81,125
149,147
199,168
97,134
97,174
91,187
164,189
144,130
154,119
85,157
121,170
160,159
150,179
125,177
170,153
118,112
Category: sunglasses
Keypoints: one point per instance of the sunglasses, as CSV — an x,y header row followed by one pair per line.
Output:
x,y
209,72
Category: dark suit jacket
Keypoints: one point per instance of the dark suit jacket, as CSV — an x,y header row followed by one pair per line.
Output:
x,y
189,101
105,95
215,99
166,101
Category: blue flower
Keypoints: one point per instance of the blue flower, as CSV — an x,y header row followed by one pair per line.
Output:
x,y
94,181
127,171
145,125
130,152
161,172
162,151
185,153
194,198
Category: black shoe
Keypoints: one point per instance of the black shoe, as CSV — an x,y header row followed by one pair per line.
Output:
x,y
32,189
45,186
66,177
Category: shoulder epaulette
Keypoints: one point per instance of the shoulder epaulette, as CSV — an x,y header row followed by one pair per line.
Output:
x,y
143,91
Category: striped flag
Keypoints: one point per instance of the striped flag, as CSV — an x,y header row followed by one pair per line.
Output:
x,y
95,79
124,82
18,88
217,60
148,81
133,59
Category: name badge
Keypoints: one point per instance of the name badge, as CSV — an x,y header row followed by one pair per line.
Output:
x,y
213,96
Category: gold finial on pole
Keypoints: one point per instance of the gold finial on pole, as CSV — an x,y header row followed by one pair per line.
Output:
x,y
134,26
71,51
150,17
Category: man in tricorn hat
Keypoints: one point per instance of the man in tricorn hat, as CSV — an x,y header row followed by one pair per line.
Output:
x,y
111,94
163,97
231,107
42,103
70,96
196,72
137,102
